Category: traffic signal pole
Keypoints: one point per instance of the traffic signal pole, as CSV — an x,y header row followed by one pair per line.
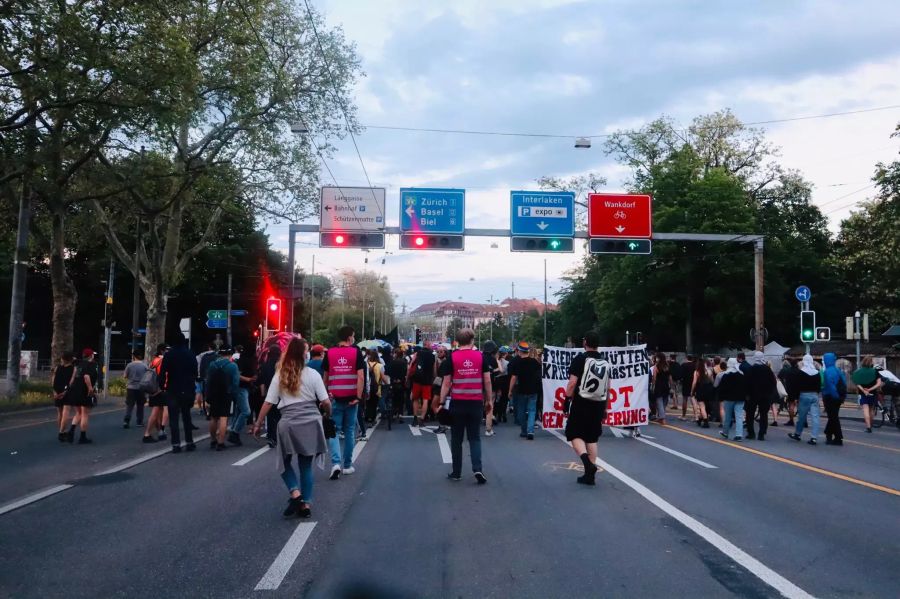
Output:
x,y
758,295
228,315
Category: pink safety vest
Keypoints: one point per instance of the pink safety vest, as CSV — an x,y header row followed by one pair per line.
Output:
x,y
467,382
342,372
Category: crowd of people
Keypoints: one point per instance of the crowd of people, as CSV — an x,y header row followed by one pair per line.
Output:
x,y
311,401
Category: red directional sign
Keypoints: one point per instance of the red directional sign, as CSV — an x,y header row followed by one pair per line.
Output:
x,y
620,215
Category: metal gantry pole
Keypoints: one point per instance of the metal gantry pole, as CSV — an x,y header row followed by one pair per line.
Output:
x,y
228,314
857,332
136,293
312,298
759,301
545,302
107,325
292,239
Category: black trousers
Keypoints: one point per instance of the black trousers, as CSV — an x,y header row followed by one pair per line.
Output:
x,y
272,419
466,419
135,398
761,406
833,410
180,404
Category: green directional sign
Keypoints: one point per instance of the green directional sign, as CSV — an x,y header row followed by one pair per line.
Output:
x,y
217,314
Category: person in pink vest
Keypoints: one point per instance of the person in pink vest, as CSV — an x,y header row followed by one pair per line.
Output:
x,y
343,372
467,380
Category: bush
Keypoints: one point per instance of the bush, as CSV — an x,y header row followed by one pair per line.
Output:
x,y
117,387
27,399
36,387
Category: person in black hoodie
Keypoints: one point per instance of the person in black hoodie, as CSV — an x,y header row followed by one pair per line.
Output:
x,y
731,386
177,376
761,381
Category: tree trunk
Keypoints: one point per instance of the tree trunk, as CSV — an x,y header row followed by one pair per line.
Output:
x,y
156,319
64,294
689,326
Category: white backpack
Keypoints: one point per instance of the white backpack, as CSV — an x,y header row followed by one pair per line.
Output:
x,y
595,380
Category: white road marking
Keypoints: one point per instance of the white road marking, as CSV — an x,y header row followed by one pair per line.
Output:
x,y
144,458
427,429
358,448
32,498
676,453
445,448
415,431
732,551
251,457
273,577
618,434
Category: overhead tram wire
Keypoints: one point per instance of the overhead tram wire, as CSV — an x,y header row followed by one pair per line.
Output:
x,y
340,103
605,135
278,74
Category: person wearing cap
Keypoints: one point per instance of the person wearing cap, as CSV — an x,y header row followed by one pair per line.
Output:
x,y
178,373
222,382
158,415
316,353
81,396
524,384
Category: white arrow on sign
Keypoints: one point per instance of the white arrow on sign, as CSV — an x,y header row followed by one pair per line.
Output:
x,y
542,225
620,228
410,211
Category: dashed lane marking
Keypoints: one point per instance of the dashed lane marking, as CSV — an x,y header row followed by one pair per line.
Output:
x,y
273,577
683,456
32,498
415,430
445,448
246,460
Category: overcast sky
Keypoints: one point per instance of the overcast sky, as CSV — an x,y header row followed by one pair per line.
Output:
x,y
589,68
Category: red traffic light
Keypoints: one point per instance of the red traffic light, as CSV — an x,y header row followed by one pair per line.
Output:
x,y
273,306
339,239
419,241
273,314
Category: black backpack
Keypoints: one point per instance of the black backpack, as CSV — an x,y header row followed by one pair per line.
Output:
x,y
217,384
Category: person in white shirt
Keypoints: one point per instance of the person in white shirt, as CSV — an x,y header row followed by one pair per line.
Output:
x,y
299,394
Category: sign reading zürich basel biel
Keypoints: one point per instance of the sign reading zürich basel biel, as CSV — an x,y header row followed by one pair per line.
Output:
x,y
351,209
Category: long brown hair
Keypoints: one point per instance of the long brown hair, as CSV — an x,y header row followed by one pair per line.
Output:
x,y
291,365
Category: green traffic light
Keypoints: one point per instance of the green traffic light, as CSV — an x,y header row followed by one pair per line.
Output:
x,y
807,334
632,246
554,244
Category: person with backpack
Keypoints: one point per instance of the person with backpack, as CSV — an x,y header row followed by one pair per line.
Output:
x,y
396,371
134,396
178,374
467,379
807,381
867,382
156,398
586,404
81,395
524,384
834,392
222,383
344,375
376,378
422,372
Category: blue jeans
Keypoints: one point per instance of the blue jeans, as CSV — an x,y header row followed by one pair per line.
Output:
x,y
809,403
344,416
526,407
241,410
734,410
289,477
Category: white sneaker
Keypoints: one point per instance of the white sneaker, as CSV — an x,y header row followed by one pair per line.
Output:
x,y
335,472
489,433
349,470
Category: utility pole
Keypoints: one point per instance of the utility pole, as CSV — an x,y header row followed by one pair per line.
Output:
x,y
363,333
492,315
545,302
759,302
228,314
343,297
312,298
107,325
374,318
857,332
136,294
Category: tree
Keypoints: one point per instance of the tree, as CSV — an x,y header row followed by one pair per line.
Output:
x,y
582,185
455,325
257,67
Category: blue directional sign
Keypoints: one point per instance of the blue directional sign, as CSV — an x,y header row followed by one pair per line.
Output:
x,y
428,210
542,213
802,293
239,313
215,323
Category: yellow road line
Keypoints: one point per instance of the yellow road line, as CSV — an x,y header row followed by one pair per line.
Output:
x,y
39,422
788,461
886,448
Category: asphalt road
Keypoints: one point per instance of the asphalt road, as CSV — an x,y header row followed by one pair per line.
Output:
x,y
682,513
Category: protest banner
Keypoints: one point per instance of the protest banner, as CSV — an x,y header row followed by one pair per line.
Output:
x,y
628,401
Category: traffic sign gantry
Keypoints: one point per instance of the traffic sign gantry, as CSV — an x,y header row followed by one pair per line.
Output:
x,y
542,213
620,215
431,210
351,209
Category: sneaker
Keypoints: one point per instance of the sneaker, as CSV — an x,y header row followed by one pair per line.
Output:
x,y
839,443
481,478
293,507
220,447
349,470
140,425
751,436
812,441
489,433
271,443
523,435
335,472
738,438
416,421
454,477
84,441
868,430
162,436
304,512
149,439
62,437
530,437
635,433
234,438
705,424
794,436
194,427
789,422
760,437
440,430
176,449
190,447
724,434
774,423
126,425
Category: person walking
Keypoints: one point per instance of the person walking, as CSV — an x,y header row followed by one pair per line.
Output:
x,y
81,396
134,396
585,404
264,380
157,401
300,395
834,392
396,370
867,383
661,384
688,370
422,372
222,384
762,392
247,369
375,377
344,378
178,374
807,382
62,378
786,376
467,379
731,385
490,351
501,385
702,393
524,384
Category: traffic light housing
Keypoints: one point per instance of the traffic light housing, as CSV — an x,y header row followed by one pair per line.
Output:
x,y
614,245
542,244
823,333
273,313
352,239
418,336
424,241
808,326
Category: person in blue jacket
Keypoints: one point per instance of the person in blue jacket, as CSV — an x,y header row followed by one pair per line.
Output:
x,y
834,390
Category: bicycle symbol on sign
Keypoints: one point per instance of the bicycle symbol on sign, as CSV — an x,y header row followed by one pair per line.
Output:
x,y
620,215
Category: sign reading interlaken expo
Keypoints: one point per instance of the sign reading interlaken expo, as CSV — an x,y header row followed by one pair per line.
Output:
x,y
620,215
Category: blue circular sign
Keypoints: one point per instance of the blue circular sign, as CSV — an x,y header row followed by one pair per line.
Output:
x,y
802,293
